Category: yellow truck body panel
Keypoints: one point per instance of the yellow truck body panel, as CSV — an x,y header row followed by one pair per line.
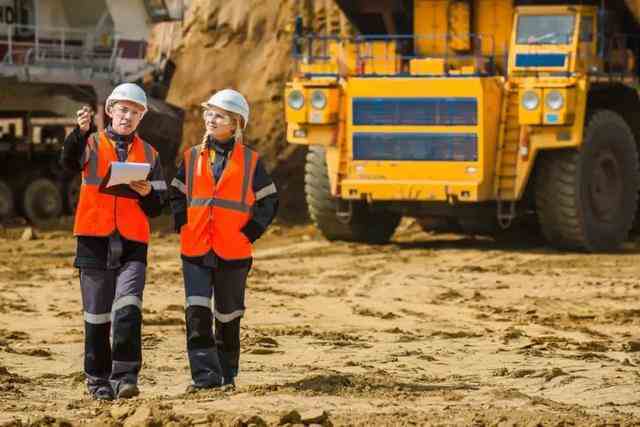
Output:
x,y
404,178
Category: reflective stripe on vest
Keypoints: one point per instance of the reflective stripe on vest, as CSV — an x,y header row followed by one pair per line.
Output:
x,y
92,178
217,211
99,214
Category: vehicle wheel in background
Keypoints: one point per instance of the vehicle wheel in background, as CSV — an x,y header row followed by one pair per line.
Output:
x,y
42,201
6,200
355,222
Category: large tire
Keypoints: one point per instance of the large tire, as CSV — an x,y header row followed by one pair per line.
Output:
x,y
6,200
42,201
363,225
586,199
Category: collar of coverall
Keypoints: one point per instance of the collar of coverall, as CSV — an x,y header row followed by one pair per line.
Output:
x,y
220,146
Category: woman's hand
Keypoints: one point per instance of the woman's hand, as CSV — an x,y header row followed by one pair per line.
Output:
x,y
143,188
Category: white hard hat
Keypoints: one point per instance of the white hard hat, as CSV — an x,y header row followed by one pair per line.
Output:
x,y
230,100
128,92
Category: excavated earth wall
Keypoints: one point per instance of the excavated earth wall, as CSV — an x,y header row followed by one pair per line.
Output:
x,y
245,45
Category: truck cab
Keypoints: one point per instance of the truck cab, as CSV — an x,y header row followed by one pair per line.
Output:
x,y
551,49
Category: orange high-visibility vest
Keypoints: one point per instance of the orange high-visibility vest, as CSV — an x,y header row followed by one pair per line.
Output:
x,y
217,211
99,214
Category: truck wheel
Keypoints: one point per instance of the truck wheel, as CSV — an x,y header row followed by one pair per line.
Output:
x,y
72,193
42,201
586,199
361,225
6,200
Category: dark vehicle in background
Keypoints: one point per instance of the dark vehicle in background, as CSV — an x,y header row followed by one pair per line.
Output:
x,y
32,182
55,56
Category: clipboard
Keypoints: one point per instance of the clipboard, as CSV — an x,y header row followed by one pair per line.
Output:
x,y
119,190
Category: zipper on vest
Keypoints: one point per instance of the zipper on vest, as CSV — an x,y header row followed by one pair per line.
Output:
x,y
115,202
115,214
213,196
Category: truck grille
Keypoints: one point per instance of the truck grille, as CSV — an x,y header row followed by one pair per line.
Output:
x,y
450,147
415,111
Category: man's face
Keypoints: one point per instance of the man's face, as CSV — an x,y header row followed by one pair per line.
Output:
x,y
219,123
125,117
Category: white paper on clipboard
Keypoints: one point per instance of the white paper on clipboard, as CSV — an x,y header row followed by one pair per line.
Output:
x,y
125,173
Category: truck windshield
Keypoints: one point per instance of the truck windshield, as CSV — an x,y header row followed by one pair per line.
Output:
x,y
545,29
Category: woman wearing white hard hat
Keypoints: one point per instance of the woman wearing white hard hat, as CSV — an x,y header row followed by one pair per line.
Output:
x,y
113,234
222,200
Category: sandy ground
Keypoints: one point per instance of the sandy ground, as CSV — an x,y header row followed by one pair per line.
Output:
x,y
441,330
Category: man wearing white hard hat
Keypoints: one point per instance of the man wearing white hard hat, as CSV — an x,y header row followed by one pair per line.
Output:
x,y
113,234
223,200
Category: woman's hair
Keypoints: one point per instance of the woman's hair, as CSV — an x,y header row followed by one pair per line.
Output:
x,y
239,124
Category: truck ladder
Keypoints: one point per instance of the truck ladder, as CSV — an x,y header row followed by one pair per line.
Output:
x,y
507,157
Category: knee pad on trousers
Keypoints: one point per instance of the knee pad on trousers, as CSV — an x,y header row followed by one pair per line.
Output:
x,y
199,328
127,333
97,355
228,335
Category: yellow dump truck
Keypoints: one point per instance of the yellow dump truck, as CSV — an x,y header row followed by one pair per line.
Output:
x,y
477,114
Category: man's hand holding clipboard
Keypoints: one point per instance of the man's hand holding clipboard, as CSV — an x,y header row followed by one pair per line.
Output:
x,y
126,179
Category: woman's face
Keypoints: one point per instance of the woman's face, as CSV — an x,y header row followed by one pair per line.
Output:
x,y
219,123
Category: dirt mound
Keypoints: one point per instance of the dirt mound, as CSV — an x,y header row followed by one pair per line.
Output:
x,y
146,415
44,421
6,335
364,386
10,383
7,376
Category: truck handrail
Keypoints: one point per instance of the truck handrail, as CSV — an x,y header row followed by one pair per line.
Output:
x,y
314,49
308,41
476,42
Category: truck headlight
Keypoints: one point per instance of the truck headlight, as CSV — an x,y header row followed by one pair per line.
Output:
x,y
530,100
295,99
318,100
554,100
